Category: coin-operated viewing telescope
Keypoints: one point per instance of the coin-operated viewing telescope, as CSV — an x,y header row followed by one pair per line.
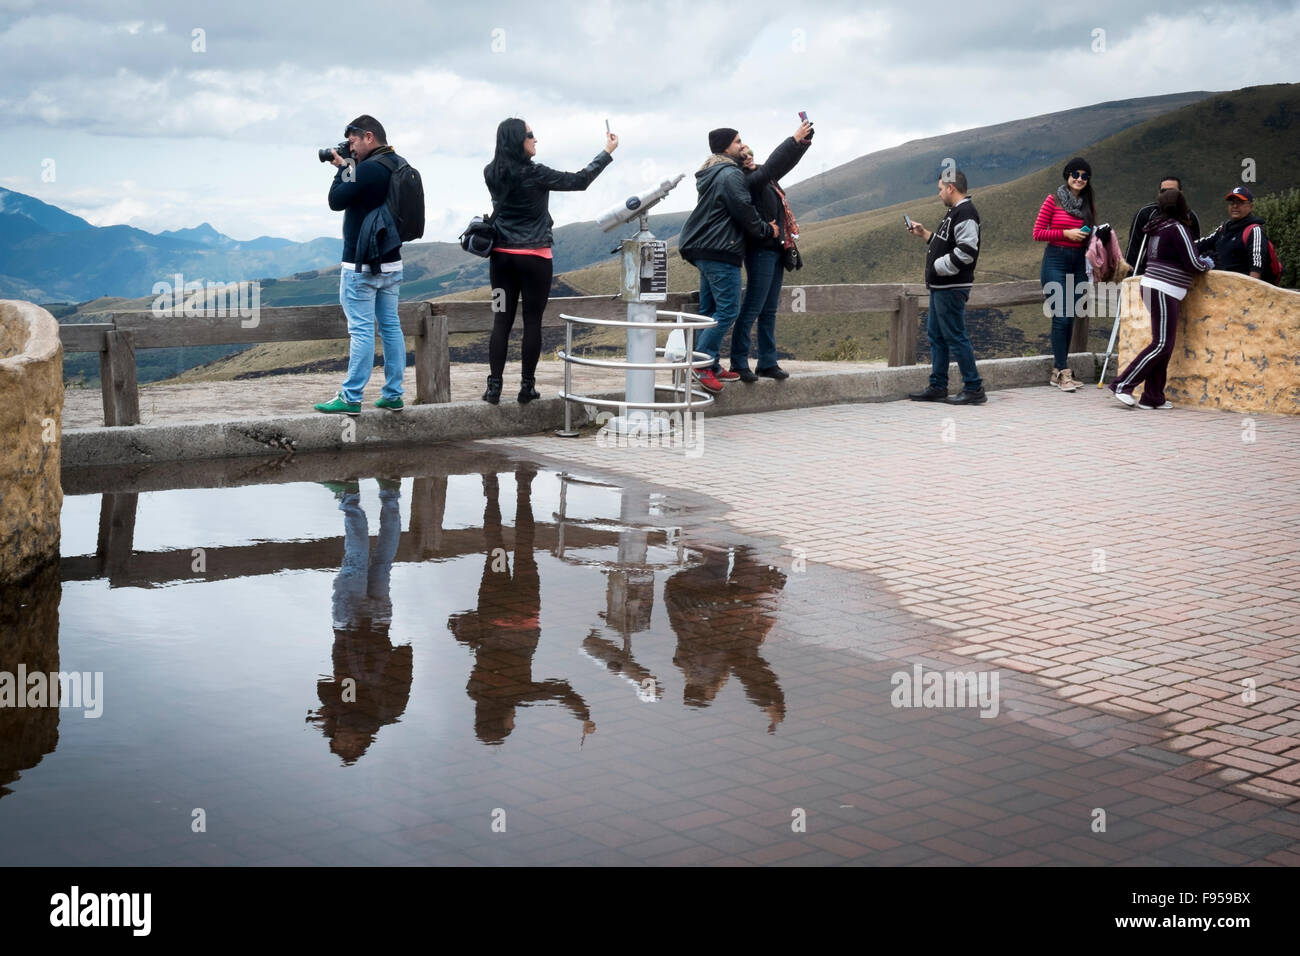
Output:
x,y
645,282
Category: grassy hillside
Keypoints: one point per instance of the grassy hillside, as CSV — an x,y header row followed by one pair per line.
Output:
x,y
1000,154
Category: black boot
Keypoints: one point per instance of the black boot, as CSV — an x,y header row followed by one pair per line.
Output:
x,y
526,391
493,393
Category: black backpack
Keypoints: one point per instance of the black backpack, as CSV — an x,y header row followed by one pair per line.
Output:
x,y
405,196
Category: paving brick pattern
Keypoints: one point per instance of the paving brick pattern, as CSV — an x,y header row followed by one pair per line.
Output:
x,y
1141,566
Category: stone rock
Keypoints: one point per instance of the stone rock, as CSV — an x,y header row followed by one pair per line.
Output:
x,y
1237,346
31,411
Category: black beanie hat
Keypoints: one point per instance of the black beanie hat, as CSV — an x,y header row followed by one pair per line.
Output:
x,y
720,139
1077,163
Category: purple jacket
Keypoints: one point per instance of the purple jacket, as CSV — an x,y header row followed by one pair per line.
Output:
x,y
1172,259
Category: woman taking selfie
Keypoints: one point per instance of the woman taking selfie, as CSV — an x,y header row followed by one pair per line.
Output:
x,y
1065,221
521,257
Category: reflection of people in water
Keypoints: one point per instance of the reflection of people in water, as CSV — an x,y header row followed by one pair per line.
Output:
x,y
721,612
504,630
372,679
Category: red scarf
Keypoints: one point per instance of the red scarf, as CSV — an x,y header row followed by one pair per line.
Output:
x,y
791,227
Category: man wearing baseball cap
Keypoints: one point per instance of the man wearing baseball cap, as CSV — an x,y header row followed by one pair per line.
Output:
x,y
1229,246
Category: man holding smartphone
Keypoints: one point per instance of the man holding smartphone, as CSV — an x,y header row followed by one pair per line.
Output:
x,y
949,274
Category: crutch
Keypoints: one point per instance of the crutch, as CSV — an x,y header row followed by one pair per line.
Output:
x,y
1114,329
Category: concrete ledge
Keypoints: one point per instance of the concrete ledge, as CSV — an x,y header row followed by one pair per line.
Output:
x,y
886,384
415,425
462,421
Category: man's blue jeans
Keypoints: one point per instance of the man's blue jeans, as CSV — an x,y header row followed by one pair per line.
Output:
x,y
720,300
765,272
945,326
368,299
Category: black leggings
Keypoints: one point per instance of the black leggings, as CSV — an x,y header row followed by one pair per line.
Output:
x,y
513,273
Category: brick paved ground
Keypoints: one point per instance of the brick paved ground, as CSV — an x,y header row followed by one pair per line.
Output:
x,y
1142,566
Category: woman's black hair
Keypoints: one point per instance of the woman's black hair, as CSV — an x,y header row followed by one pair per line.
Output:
x,y
509,156
1171,204
1087,195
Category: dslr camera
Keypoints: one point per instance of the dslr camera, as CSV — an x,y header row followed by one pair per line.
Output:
x,y
342,149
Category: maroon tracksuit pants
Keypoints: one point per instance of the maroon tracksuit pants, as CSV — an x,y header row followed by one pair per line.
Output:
x,y
1151,365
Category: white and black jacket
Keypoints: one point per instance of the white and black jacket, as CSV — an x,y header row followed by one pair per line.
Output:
x,y
954,247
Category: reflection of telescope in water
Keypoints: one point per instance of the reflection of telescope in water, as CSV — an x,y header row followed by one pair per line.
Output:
x,y
629,577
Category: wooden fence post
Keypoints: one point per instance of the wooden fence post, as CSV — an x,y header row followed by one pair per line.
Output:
x,y
117,379
432,359
902,331
1079,334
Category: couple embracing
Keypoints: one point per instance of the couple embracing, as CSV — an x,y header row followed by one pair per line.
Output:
x,y
741,216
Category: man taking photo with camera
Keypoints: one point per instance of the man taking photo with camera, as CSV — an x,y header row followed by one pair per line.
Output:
x,y
371,275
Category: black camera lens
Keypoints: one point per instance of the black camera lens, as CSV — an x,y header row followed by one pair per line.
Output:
x,y
342,149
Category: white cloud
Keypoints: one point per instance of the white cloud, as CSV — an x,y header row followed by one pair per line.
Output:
x,y
229,135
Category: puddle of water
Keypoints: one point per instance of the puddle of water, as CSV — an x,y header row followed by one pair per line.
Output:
x,y
506,664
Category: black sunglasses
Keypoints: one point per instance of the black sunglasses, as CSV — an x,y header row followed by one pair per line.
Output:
x,y
530,135
1080,174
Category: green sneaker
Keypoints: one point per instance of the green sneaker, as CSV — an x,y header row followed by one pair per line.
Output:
x,y
392,404
337,406
341,488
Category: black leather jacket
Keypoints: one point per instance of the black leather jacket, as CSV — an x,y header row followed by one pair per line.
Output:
x,y
521,210
723,214
767,201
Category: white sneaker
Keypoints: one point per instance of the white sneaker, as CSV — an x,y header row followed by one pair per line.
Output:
x,y
1124,398
1165,405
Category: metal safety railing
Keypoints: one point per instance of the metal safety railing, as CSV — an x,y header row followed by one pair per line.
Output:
x,y
690,398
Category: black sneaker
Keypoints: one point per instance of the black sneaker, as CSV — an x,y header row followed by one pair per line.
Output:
x,y
932,394
745,374
968,398
774,371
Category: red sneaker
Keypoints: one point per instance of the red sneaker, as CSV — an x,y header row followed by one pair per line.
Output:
x,y
708,380
728,375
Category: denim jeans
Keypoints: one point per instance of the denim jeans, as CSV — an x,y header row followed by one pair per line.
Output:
x,y
368,299
1068,269
765,271
945,326
361,588
720,300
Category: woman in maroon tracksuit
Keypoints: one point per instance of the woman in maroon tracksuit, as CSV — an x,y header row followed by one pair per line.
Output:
x,y
1172,263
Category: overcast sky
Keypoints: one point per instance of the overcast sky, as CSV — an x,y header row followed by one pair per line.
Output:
x,y
141,120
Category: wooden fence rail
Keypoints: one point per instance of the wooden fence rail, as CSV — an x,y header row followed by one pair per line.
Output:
x,y
117,337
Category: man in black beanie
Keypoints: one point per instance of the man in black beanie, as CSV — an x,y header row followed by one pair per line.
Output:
x,y
713,240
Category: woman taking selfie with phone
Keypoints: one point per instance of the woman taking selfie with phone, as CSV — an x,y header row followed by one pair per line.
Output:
x,y
1065,221
521,257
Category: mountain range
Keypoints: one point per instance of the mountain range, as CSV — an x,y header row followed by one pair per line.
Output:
x,y
50,255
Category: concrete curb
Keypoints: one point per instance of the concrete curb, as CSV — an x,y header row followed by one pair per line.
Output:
x,y
461,421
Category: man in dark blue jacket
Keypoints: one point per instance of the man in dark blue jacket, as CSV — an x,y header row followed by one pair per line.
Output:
x,y
1229,246
713,240
368,291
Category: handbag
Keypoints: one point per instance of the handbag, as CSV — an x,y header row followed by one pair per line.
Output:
x,y
792,258
479,237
